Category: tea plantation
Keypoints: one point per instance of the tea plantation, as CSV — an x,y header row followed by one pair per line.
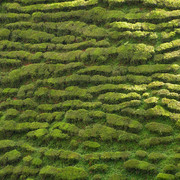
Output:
x,y
89,89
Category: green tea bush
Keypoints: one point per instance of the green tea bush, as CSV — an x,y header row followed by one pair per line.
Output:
x,y
28,115
9,63
5,171
91,144
13,17
117,108
96,70
154,141
4,33
9,157
11,113
99,168
127,137
57,134
156,156
172,104
102,132
173,87
36,162
160,128
123,122
31,36
66,127
79,115
135,53
163,176
6,144
170,169
155,68
114,98
9,45
134,164
39,133
141,154
166,77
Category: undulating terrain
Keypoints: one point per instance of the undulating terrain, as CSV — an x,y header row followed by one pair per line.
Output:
x,y
89,89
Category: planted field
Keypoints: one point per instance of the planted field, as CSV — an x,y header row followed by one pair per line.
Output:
x,y
90,89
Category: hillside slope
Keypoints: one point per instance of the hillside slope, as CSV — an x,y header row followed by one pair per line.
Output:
x,y
90,89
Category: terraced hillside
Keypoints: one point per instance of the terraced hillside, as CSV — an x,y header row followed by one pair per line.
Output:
x,y
90,89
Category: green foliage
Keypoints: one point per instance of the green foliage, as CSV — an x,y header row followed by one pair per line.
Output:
x,y
114,98
31,36
162,176
28,115
11,113
4,33
141,153
91,144
123,122
99,168
153,141
134,164
135,53
10,156
169,168
159,128
58,134
156,156
105,133
39,133
36,162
